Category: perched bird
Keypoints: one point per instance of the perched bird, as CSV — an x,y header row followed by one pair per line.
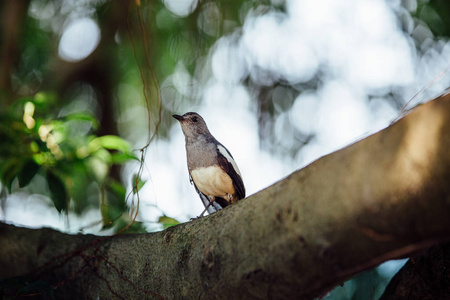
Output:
x,y
212,169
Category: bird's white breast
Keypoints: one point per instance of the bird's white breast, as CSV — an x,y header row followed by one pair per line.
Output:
x,y
213,181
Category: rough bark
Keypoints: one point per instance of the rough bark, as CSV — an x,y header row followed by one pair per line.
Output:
x,y
425,276
384,197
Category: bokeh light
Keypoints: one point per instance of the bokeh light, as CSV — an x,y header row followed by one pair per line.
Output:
x,y
79,40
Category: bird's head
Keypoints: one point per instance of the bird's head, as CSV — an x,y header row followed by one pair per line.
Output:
x,y
192,124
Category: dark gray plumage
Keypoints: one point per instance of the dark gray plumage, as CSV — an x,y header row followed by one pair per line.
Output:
x,y
211,166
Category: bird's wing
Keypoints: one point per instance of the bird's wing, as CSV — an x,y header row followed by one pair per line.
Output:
x,y
215,206
227,163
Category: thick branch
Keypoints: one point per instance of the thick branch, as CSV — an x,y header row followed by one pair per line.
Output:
x,y
425,276
384,197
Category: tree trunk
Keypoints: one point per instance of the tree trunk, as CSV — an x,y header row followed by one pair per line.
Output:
x,y
384,197
12,16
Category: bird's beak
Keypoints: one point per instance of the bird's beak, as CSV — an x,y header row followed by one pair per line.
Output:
x,y
178,117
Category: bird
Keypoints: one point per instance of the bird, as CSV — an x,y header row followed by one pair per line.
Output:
x,y
212,169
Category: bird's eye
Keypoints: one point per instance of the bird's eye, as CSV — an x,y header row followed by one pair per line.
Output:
x,y
194,119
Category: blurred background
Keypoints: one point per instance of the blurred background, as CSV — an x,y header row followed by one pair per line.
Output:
x,y
86,85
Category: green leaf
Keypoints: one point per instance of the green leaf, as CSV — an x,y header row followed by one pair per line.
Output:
x,y
137,183
117,188
45,98
110,142
83,116
9,170
119,158
98,167
167,221
27,173
58,191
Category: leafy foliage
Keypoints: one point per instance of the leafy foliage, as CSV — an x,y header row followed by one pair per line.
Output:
x,y
167,221
36,143
435,14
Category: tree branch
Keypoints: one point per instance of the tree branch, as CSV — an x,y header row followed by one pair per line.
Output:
x,y
425,276
384,197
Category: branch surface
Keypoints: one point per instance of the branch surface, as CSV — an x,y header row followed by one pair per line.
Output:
x,y
384,197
